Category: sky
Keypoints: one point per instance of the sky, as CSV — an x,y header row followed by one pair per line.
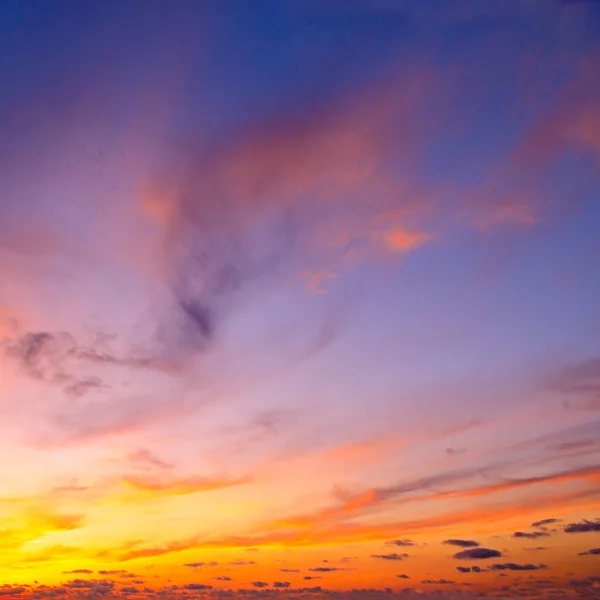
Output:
x,y
299,299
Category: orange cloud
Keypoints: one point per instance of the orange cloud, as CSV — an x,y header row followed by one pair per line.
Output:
x,y
176,487
400,240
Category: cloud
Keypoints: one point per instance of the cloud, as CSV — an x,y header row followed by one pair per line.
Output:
x,y
176,487
438,582
242,563
326,569
472,569
544,522
78,571
281,584
477,553
577,378
587,582
583,526
461,543
403,576
133,553
530,534
259,584
290,570
310,577
223,578
197,565
401,543
516,567
591,551
197,586
392,556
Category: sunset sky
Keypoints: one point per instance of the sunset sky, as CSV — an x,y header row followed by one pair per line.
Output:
x,y
299,299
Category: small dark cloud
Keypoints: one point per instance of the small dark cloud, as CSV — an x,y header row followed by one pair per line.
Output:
x,y
391,556
326,569
530,534
259,584
584,526
438,581
101,587
473,569
78,571
591,551
197,565
587,582
461,543
477,554
578,378
454,451
310,577
290,570
81,387
516,567
281,584
537,548
401,543
545,522
403,576
197,586
242,563
223,578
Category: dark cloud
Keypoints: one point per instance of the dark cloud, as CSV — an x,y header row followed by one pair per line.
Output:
x,y
242,563
545,522
438,582
477,553
401,543
516,567
537,549
197,586
578,378
78,571
587,582
392,556
56,357
223,578
591,551
326,569
197,565
461,543
259,584
281,584
290,570
403,576
455,451
530,534
472,569
583,526
310,577
101,586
